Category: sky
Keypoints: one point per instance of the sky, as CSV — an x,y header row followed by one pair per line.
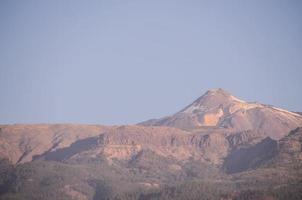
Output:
x,y
126,61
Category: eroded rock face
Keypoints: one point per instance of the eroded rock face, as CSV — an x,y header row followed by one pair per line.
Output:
x,y
20,143
212,119
64,142
289,149
218,108
126,142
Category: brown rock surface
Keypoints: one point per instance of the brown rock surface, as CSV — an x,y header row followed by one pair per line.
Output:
x,y
218,108
126,142
19,143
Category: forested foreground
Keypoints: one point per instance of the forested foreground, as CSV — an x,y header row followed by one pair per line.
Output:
x,y
52,180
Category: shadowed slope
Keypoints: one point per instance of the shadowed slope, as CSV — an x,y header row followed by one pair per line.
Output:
x,y
67,152
247,158
19,143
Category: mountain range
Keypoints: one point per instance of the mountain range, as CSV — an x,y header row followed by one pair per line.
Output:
x,y
218,147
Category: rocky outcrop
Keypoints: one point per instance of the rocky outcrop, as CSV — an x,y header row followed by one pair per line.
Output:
x,y
126,142
74,143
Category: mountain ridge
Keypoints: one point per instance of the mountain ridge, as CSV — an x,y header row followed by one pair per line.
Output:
x,y
216,145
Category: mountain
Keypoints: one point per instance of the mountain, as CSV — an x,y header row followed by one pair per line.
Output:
x,y
218,108
19,143
218,147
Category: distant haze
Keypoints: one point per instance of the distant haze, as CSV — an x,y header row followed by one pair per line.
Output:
x,y
126,61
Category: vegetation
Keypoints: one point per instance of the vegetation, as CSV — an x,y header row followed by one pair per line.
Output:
x,y
57,180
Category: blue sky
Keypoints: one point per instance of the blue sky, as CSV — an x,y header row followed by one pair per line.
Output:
x,y
125,61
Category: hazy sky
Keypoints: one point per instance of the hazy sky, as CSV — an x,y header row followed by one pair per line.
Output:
x,y
125,61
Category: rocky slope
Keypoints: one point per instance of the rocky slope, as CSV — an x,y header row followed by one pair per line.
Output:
x,y
218,108
19,143
24,143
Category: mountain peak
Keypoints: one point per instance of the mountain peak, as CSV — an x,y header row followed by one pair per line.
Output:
x,y
218,91
219,108
216,94
215,97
